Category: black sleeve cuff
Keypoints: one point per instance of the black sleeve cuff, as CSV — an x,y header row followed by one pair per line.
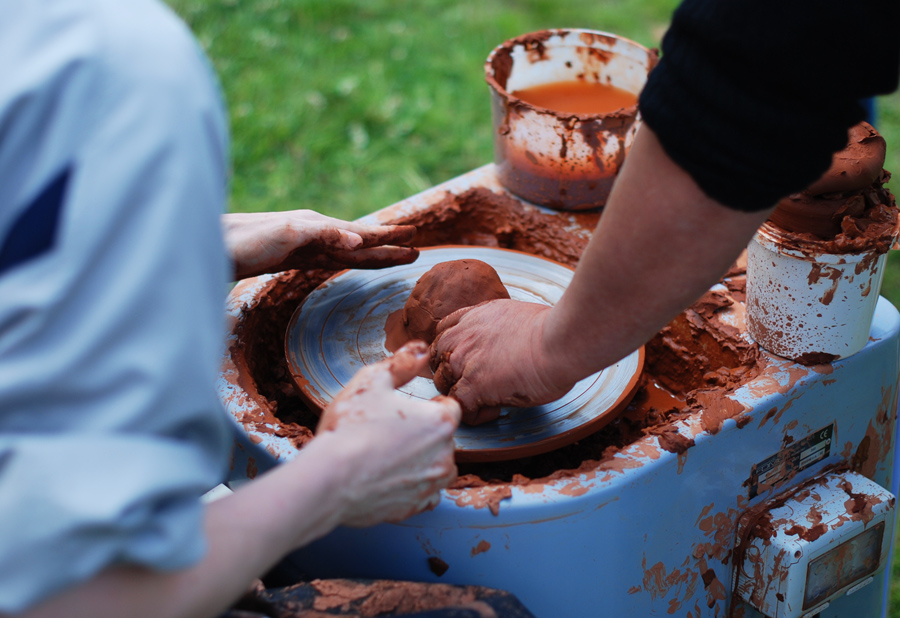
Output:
x,y
752,97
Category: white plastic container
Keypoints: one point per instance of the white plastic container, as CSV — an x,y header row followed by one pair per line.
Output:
x,y
808,305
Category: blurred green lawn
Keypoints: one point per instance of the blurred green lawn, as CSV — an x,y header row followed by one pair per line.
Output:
x,y
348,106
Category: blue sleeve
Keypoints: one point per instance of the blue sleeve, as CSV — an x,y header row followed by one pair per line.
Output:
x,y
111,309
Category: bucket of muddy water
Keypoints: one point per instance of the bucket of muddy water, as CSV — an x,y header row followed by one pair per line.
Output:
x,y
808,305
564,108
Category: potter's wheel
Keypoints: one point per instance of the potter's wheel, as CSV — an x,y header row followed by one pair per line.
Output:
x,y
339,329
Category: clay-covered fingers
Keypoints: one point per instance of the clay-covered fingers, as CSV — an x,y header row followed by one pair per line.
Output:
x,y
405,460
323,236
407,362
475,411
371,392
379,235
395,452
365,397
449,372
370,258
449,409
491,355
338,234
304,239
436,479
444,376
452,320
479,416
316,225
317,255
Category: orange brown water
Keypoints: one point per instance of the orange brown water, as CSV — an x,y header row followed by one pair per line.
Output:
x,y
577,97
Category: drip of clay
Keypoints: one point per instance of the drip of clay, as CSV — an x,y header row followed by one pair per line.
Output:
x,y
444,289
841,192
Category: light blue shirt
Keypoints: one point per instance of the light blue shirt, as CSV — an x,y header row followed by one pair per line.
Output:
x,y
111,326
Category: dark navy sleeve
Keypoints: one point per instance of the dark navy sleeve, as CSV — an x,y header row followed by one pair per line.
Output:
x,y
751,97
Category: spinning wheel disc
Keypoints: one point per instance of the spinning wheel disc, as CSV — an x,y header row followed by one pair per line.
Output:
x,y
339,328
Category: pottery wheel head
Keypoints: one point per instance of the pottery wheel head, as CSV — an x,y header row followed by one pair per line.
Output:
x,y
339,328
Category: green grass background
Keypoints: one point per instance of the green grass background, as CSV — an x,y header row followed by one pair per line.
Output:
x,y
346,106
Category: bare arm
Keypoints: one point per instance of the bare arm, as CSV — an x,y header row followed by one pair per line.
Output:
x,y
377,456
660,244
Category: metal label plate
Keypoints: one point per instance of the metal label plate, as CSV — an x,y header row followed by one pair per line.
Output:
x,y
799,455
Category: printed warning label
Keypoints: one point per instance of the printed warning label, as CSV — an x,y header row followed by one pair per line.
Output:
x,y
773,471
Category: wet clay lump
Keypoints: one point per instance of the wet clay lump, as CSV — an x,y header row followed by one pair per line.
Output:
x,y
445,288
848,207
577,97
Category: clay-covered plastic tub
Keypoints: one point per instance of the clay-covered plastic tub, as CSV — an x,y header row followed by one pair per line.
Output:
x,y
562,160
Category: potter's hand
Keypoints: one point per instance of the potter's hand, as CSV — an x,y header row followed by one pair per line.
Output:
x,y
493,355
267,242
398,451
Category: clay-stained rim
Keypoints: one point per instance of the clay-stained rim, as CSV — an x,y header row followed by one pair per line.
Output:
x,y
505,454
543,35
774,239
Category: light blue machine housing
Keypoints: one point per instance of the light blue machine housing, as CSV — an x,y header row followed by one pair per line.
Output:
x,y
645,531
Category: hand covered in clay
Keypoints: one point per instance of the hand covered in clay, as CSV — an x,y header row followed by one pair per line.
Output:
x,y
493,355
398,451
268,242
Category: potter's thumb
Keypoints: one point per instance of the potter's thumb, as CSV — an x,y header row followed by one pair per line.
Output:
x,y
388,235
451,411
408,362
473,410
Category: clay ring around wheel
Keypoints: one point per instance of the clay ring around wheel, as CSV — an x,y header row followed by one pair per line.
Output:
x,y
339,328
